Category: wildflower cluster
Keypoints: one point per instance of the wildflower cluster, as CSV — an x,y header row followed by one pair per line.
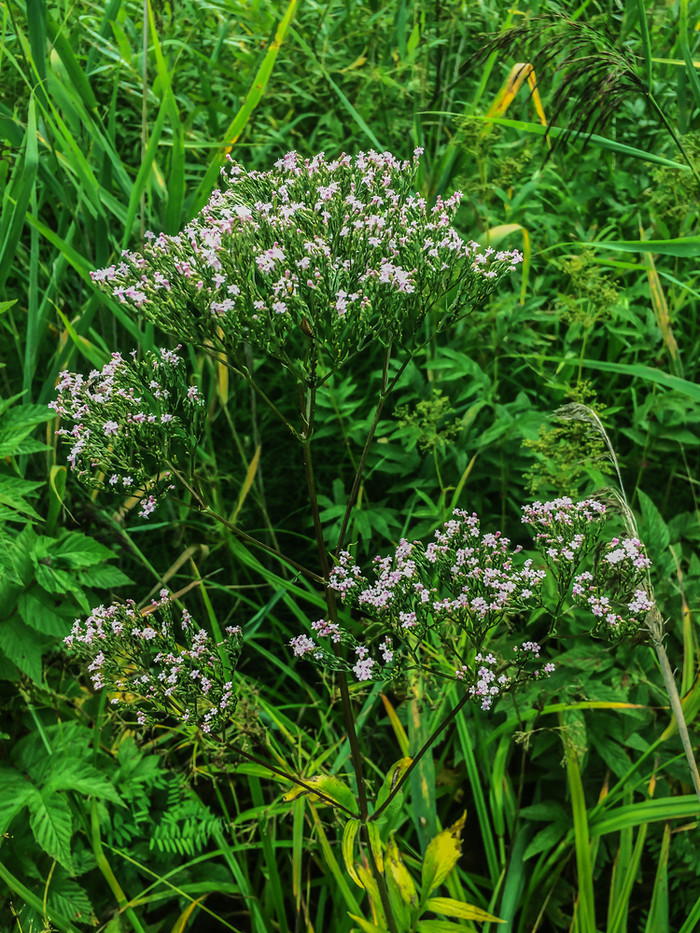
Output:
x,y
616,593
128,419
338,252
138,657
493,677
446,595
565,532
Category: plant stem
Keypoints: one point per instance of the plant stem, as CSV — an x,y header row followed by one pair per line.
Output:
x,y
386,389
308,410
429,742
249,539
655,626
286,775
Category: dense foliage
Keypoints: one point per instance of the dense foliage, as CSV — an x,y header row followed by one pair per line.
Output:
x,y
580,810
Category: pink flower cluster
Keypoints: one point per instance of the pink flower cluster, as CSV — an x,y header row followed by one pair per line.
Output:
x,y
138,657
613,593
492,680
562,527
456,588
344,246
126,419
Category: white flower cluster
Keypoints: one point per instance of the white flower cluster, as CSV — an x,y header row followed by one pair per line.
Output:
x,y
139,658
339,251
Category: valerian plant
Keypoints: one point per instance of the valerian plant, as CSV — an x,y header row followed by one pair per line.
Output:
x,y
306,264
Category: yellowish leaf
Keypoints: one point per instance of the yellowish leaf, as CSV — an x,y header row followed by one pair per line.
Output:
x,y
449,907
441,856
395,864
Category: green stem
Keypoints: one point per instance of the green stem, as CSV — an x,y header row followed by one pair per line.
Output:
x,y
287,776
307,417
249,539
106,870
655,626
386,389
429,742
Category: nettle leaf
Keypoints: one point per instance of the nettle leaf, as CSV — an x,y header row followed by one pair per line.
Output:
x,y
52,826
655,533
15,791
103,577
81,778
50,615
67,897
53,579
441,856
13,490
78,551
22,646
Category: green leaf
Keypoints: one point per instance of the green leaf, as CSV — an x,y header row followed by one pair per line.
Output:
x,y
348,849
656,535
78,551
449,907
81,778
441,857
15,792
52,826
441,926
22,647
366,925
46,614
66,896
103,577
329,786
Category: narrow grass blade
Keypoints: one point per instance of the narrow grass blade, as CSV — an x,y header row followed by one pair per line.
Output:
x,y
585,906
658,920
236,127
17,196
594,140
686,247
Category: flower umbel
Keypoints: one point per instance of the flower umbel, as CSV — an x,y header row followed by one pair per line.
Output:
x,y
340,252
149,665
128,419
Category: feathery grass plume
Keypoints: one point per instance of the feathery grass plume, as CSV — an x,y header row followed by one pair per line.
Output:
x,y
313,254
586,73
644,599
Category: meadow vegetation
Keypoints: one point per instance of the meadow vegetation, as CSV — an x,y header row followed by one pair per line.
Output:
x,y
244,683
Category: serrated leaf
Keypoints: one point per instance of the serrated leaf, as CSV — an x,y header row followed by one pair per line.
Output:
x,y
449,907
441,856
15,448
103,577
54,580
46,614
545,839
81,778
51,824
67,897
656,533
15,792
78,551
21,645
